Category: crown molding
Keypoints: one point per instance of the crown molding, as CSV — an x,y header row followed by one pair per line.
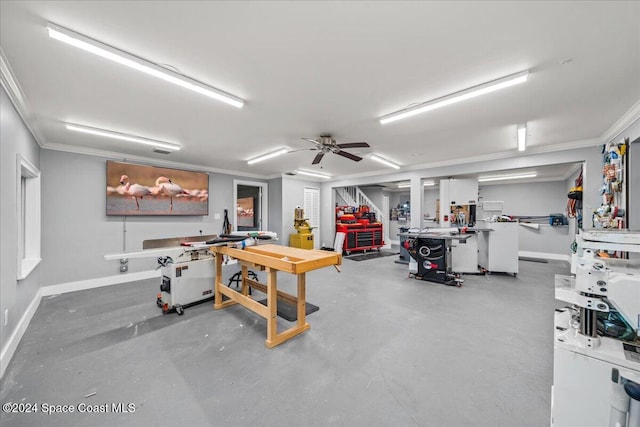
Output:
x,y
12,88
623,123
144,159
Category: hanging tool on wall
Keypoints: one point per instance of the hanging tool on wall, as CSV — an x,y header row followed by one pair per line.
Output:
x,y
612,213
226,225
574,205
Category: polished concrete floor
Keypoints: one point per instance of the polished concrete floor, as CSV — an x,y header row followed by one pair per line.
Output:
x,y
383,350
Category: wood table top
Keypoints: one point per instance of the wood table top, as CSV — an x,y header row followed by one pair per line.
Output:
x,y
282,258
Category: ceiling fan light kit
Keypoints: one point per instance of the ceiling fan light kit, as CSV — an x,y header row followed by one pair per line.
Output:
x,y
122,136
267,156
121,57
472,92
326,144
384,161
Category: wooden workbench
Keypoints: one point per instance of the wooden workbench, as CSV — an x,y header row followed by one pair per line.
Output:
x,y
272,258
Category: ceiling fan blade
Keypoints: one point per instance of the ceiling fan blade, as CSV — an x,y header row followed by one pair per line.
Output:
x,y
318,157
348,155
313,141
353,145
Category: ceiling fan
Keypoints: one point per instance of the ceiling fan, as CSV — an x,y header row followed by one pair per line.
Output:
x,y
326,144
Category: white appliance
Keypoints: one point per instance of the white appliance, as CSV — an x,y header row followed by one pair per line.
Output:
x,y
188,268
498,248
455,192
596,379
190,281
464,255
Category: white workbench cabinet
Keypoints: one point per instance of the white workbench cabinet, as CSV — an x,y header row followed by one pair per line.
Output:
x,y
498,249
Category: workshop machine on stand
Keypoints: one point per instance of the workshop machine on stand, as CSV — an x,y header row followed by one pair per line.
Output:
x,y
303,239
430,251
186,281
596,379
187,266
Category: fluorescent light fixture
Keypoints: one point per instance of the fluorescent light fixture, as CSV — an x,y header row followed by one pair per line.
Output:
x,y
122,136
424,184
522,137
505,177
462,95
98,48
383,161
314,174
267,156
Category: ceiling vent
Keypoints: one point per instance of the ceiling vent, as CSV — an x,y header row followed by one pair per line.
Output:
x,y
161,151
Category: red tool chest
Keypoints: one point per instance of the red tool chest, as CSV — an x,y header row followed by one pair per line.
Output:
x,y
360,233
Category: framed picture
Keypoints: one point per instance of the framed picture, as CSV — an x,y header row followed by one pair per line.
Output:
x,y
246,217
134,189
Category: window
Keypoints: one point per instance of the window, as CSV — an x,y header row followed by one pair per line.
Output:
x,y
28,214
312,209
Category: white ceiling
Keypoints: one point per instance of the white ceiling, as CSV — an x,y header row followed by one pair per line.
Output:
x,y
307,68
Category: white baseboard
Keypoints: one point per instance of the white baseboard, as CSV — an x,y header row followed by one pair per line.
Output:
x,y
545,255
11,346
98,282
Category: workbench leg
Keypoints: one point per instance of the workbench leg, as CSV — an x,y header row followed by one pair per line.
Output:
x,y
272,305
302,297
217,296
245,276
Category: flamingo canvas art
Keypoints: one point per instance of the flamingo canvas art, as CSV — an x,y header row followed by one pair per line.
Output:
x,y
134,189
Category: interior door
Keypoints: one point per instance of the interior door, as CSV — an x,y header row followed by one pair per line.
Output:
x,y
251,206
312,211
385,224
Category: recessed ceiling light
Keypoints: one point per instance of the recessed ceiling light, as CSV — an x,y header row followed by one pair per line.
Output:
x,y
462,95
121,57
122,136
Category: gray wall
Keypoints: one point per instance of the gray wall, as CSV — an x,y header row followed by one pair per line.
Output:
x,y
15,296
528,199
375,195
275,208
429,203
76,233
292,197
534,199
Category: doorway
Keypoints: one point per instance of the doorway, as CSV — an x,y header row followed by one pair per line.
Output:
x,y
312,211
250,206
385,219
